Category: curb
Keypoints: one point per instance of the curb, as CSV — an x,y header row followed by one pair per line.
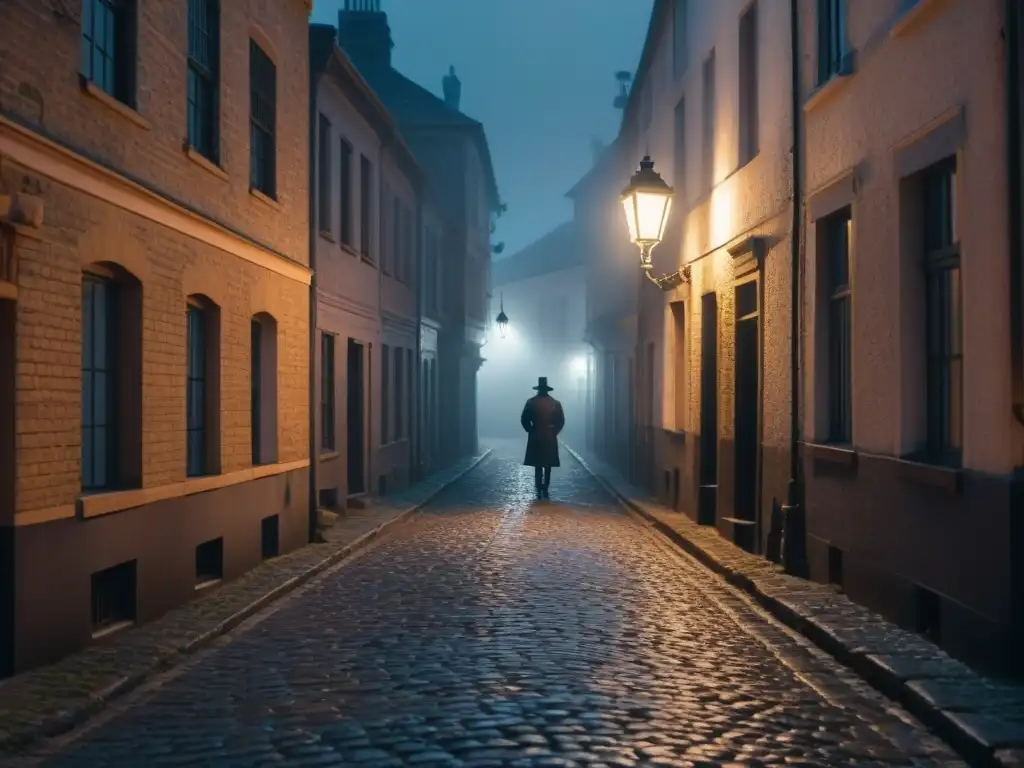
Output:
x,y
956,729
76,715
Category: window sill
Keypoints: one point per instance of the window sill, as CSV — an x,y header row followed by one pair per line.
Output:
x,y
912,17
205,163
89,88
104,503
203,586
347,248
836,454
264,198
327,236
921,471
112,629
368,260
329,455
828,89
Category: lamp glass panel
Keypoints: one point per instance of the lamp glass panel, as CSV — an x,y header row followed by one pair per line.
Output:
x,y
651,215
630,208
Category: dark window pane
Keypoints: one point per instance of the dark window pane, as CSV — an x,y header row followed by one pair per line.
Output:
x,y
107,57
98,382
195,392
262,120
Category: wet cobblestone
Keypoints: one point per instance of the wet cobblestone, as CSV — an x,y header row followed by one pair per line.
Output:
x,y
496,630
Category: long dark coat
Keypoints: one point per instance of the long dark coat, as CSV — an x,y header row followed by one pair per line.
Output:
x,y
542,419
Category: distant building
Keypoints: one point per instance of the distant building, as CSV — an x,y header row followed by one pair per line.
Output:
x,y
543,291
366,196
154,310
452,150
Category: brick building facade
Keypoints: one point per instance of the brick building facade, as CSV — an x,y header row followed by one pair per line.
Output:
x,y
156,316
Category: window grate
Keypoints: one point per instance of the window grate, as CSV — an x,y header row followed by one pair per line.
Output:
x,y
99,383
203,75
262,121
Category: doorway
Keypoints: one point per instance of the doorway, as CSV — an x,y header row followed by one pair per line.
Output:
x,y
356,423
7,477
747,394
707,495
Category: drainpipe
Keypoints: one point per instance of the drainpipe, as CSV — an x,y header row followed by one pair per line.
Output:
x,y
313,455
1012,31
794,535
1013,136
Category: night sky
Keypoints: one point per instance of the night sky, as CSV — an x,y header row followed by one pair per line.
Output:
x,y
540,76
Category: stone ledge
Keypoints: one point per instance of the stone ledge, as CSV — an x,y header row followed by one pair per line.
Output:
x,y
982,719
52,700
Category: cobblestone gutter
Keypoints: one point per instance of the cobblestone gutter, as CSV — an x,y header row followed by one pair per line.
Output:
x,y
981,718
51,700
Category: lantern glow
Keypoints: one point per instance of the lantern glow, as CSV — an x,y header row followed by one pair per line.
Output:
x,y
647,202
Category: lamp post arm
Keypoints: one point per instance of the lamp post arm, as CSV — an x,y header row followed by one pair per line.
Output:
x,y
670,281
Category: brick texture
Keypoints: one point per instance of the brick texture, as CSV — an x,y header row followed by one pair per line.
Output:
x,y
44,92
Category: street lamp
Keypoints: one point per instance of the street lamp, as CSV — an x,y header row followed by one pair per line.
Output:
x,y
502,319
647,202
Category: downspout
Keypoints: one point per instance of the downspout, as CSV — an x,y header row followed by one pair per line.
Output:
x,y
1013,148
314,463
374,456
794,531
1012,31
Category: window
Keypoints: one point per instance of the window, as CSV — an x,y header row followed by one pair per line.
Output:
x,y
365,203
679,153
195,393
263,375
410,388
108,47
831,39
327,392
943,302
410,246
385,394
396,224
399,393
99,383
748,85
323,160
262,121
346,192
709,121
837,230
203,76
679,35
387,241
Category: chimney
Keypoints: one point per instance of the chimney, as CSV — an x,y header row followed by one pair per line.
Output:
x,y
452,87
364,34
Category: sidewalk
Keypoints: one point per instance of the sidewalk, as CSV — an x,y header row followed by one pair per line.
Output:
x,y
982,718
51,700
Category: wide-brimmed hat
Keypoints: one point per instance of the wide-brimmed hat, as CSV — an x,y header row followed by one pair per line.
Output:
x,y
542,384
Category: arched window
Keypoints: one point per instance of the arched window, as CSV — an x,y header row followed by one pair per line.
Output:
x,y
202,388
263,360
111,379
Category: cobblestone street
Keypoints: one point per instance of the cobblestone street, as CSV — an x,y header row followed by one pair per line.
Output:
x,y
493,629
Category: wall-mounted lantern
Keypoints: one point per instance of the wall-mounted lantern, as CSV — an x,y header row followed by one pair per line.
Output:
x,y
502,319
647,202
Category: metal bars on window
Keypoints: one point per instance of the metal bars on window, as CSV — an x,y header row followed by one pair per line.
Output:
x,y
107,50
195,395
944,313
99,372
839,332
327,413
262,121
203,76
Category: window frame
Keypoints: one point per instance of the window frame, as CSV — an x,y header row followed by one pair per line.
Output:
x,y
91,283
709,108
837,265
749,84
385,394
262,121
328,406
400,420
832,48
345,193
323,159
256,331
196,455
943,314
365,207
119,82
204,74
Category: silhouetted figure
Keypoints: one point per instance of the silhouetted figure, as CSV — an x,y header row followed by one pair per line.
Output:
x,y
542,419
452,88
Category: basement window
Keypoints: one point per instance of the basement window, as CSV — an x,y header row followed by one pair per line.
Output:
x,y
209,563
113,598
